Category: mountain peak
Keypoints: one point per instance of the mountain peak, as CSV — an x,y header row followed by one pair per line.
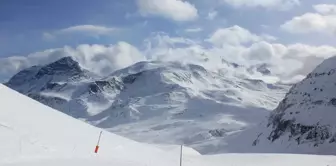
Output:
x,y
64,65
67,60
62,70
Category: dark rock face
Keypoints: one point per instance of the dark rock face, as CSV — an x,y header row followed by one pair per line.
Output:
x,y
301,133
131,78
333,102
63,66
23,76
304,115
263,69
48,77
218,132
111,84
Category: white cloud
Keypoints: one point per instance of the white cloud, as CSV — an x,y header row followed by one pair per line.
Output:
x,y
212,15
176,10
234,35
269,4
92,29
305,56
325,8
48,36
324,21
87,30
161,43
264,26
311,22
268,37
97,58
193,30
288,63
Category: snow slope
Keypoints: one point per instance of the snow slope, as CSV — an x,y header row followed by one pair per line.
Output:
x,y
304,121
32,131
220,160
32,134
153,101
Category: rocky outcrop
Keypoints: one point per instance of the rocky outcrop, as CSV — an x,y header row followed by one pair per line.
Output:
x,y
306,116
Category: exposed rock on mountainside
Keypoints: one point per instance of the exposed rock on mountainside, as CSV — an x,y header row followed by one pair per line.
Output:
x,y
305,118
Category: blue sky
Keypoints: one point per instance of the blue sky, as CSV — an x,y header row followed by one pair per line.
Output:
x,y
32,26
24,22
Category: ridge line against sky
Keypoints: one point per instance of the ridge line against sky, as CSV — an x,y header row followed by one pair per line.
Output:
x,y
291,36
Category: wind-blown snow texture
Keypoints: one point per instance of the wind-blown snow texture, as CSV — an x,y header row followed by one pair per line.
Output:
x,y
32,134
304,121
157,102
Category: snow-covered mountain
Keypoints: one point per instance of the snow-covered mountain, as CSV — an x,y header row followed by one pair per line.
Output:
x,y
304,121
156,102
32,134
30,130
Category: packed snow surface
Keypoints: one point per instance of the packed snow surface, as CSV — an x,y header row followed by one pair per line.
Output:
x,y
32,134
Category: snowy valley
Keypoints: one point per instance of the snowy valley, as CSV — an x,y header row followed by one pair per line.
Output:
x,y
213,112
32,134
158,102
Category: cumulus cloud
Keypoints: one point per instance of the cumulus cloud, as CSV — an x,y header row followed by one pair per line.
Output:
x,y
269,4
87,30
323,21
176,10
288,63
325,8
97,58
235,35
162,39
162,47
311,22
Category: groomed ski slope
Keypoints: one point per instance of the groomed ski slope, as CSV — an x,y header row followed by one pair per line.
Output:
x,y
32,134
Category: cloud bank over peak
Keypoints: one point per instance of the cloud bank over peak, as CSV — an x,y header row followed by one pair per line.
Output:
x,y
288,63
97,58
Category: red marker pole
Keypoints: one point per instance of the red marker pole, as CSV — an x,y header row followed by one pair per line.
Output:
x,y
97,146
